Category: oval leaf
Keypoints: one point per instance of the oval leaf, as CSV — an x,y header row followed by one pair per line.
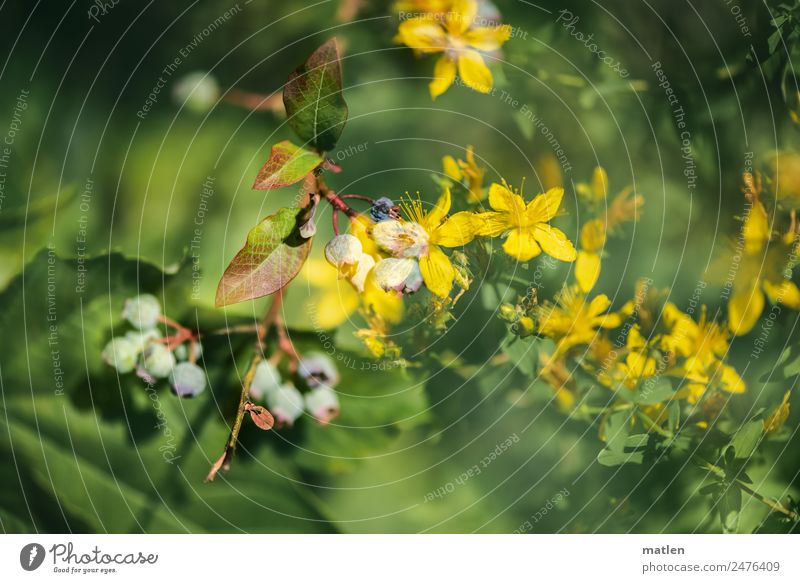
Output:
x,y
270,259
286,165
261,417
315,107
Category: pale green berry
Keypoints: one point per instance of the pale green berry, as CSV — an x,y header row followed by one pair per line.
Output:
x,y
142,339
158,361
317,369
323,404
187,379
286,404
142,311
266,380
121,353
197,91
182,351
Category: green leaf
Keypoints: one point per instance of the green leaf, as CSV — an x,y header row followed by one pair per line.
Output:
x,y
609,458
729,505
746,440
674,416
315,107
654,390
523,353
617,430
637,441
270,259
286,165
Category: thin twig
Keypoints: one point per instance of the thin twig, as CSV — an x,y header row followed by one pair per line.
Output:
x,y
269,319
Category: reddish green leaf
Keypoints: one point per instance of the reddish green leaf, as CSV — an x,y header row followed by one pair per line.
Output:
x,y
315,107
286,165
270,259
261,417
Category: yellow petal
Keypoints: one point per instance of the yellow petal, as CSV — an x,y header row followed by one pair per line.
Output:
x,y
434,218
599,183
461,15
437,272
335,307
387,305
493,224
545,206
451,168
457,230
593,235
587,270
731,381
744,309
422,34
554,242
502,199
444,73
755,230
474,72
521,245
784,293
488,38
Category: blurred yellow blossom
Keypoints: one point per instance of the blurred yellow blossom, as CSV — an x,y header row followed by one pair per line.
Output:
x,y
468,170
573,320
459,42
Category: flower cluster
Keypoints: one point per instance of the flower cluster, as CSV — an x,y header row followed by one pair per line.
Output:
x,y
285,401
153,356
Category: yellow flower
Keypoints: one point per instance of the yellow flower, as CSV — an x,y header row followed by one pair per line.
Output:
x,y
527,225
703,344
637,366
587,267
422,236
468,169
459,41
573,321
597,189
761,273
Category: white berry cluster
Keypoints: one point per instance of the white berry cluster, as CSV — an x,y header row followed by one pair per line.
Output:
x,y
286,402
142,350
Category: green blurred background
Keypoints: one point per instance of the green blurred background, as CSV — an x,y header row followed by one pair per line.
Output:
x,y
88,456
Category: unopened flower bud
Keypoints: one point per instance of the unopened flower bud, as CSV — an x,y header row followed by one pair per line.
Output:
x,y
158,361
343,251
198,91
508,312
266,380
188,380
121,353
323,404
142,311
286,404
525,326
318,370
401,275
384,209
